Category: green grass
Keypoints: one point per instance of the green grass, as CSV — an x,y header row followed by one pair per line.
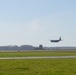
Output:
x,y
38,67
37,53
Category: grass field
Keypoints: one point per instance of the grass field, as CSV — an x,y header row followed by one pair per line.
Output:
x,y
38,67
37,53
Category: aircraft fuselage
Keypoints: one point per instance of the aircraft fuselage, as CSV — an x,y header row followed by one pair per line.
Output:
x,y
55,41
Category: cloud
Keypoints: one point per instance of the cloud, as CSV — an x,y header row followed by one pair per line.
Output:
x,y
33,26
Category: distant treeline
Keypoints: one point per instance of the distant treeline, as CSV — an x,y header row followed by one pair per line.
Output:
x,y
15,47
30,47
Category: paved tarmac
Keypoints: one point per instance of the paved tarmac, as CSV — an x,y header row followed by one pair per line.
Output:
x,y
38,57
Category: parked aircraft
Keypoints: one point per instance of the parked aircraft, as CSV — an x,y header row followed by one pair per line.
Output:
x,y
55,41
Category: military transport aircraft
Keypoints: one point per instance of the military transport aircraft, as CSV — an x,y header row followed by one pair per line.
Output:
x,y
55,41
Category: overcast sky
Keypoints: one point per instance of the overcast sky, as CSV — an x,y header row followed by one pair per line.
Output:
x,y
35,22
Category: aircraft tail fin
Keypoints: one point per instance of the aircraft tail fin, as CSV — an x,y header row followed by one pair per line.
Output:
x,y
60,38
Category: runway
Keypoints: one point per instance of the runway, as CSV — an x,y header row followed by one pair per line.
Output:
x,y
38,57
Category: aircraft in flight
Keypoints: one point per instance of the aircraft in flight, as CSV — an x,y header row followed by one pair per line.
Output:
x,y
55,41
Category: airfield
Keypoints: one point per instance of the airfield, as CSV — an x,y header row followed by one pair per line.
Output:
x,y
38,62
43,57
37,54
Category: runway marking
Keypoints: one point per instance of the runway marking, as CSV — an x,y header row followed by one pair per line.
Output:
x,y
38,57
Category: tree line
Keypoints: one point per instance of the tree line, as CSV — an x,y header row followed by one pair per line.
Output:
x,y
15,47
